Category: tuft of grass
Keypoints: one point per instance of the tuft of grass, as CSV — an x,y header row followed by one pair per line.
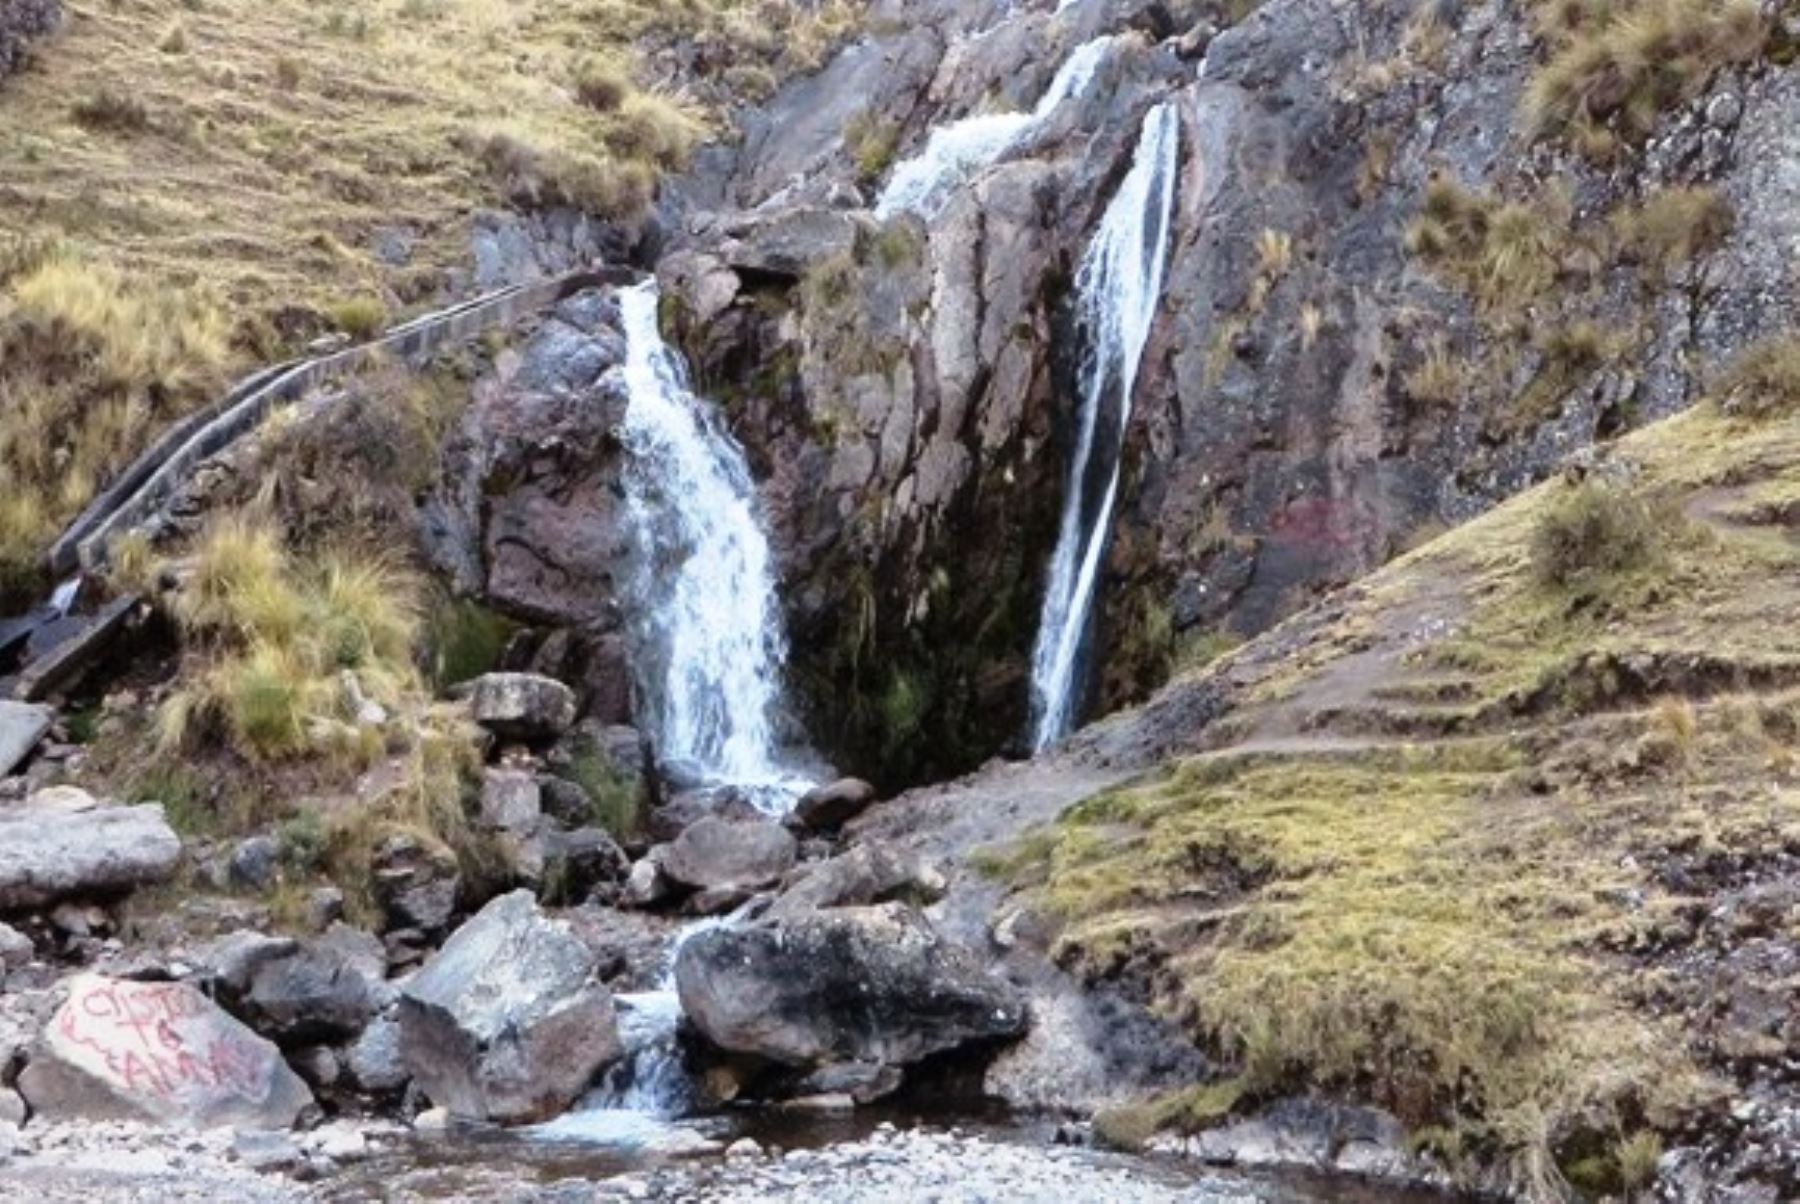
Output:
x,y
174,41
1764,381
652,129
619,802
1627,63
1592,534
463,640
1674,226
1439,379
1505,253
1131,1126
361,318
537,176
602,85
871,144
113,110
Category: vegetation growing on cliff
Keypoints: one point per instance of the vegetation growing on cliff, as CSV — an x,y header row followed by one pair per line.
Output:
x,y
1443,894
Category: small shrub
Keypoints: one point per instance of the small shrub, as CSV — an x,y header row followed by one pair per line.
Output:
x,y
1638,1156
1630,63
871,144
359,317
618,800
110,109
175,40
1504,252
1674,226
1439,379
652,129
535,177
287,73
463,640
1763,382
602,85
1590,533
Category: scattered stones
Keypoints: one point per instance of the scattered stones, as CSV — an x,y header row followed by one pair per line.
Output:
x,y
507,1022
775,989
829,807
522,707
716,853
265,1150
65,844
158,1051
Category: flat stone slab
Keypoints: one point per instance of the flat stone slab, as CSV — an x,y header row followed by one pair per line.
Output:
x,y
22,725
62,844
161,1052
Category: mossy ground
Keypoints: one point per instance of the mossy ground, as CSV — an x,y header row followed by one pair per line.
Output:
x,y
1409,867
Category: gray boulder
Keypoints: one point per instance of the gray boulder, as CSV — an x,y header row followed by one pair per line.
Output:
x,y
159,1052
64,844
416,884
508,1022
15,948
580,863
373,1062
716,854
326,990
511,800
833,805
872,872
870,985
523,706
22,725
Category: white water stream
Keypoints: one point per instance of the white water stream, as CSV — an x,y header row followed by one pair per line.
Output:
x,y
709,643
1118,287
953,153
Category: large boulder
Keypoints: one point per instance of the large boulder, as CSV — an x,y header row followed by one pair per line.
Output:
x,y
508,1022
159,1052
875,985
872,872
64,844
523,706
417,884
831,806
716,854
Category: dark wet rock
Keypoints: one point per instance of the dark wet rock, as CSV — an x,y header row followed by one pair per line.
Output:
x,y
325,990
227,963
566,802
828,807
65,844
718,854
317,1064
157,1051
687,808
863,1082
586,863
522,706
22,725
508,1021
874,985
417,885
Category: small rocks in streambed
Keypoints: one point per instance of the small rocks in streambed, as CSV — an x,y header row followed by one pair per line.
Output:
x,y
157,1051
522,707
717,854
265,1150
508,1021
777,989
829,807
63,843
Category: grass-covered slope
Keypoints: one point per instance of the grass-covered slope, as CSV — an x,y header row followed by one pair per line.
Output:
x,y
1446,852
188,187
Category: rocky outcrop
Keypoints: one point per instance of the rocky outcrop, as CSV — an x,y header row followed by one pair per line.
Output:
x,y
161,1052
21,23
873,985
65,844
508,1021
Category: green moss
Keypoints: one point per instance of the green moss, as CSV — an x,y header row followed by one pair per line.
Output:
x,y
618,800
1131,1126
463,640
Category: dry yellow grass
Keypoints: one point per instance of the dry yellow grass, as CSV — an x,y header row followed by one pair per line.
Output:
x,y
235,179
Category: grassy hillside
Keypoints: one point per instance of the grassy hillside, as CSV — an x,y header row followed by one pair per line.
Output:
x,y
190,186
1447,852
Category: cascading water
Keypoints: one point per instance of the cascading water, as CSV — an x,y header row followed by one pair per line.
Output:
x,y
954,152
710,647
1117,287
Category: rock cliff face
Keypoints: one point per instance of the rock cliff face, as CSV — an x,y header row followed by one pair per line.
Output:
x,y
1338,366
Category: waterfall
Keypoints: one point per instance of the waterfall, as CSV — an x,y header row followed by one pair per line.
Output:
x,y
1117,289
709,647
954,152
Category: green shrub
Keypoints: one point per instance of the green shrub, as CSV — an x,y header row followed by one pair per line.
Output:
x,y
871,144
110,109
1591,533
618,799
463,640
602,85
359,317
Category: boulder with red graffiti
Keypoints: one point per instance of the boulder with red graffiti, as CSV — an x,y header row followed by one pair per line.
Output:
x,y
159,1052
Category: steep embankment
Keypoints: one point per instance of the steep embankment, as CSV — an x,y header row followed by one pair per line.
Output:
x,y
1501,839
